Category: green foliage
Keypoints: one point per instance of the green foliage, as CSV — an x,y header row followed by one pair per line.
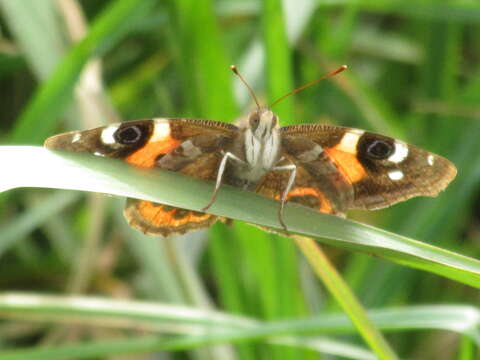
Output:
x,y
412,74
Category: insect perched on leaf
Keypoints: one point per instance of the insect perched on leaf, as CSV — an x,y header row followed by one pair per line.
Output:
x,y
327,168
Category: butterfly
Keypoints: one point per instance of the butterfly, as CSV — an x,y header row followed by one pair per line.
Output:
x,y
330,169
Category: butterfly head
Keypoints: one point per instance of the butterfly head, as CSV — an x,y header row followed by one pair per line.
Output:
x,y
262,123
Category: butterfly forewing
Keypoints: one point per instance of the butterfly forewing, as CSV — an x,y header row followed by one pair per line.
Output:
x,y
189,146
381,170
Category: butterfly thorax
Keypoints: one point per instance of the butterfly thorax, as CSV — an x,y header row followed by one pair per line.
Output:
x,y
260,145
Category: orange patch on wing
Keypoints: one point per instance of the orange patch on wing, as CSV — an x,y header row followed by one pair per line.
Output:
x,y
325,204
164,216
147,154
347,164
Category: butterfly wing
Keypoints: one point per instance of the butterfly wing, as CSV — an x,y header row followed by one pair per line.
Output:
x,y
381,170
318,183
189,146
156,219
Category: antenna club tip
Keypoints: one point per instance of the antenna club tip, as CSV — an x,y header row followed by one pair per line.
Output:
x,y
234,68
344,67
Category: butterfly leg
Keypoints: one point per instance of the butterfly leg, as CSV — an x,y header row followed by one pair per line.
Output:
x,y
291,181
221,171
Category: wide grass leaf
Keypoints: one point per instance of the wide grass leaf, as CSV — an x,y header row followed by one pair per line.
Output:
x,y
90,173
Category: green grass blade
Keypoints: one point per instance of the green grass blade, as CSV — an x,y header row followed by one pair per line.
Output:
x,y
153,344
91,173
467,349
345,297
209,327
39,118
35,26
327,346
204,60
32,218
129,314
278,62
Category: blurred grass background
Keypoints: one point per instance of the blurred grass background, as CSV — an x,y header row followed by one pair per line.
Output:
x,y
64,65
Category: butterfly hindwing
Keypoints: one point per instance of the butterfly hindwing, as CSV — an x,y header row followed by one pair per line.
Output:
x,y
153,219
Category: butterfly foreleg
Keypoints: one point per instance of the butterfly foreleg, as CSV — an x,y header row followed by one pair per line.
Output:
x,y
291,181
221,170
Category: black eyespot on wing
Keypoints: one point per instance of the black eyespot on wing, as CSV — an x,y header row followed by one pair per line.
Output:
x,y
130,134
379,149
376,148
372,149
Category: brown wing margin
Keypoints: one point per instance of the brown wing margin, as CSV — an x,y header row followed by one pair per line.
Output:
x,y
324,135
184,128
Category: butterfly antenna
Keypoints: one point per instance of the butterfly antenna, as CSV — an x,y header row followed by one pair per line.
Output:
x,y
250,90
307,85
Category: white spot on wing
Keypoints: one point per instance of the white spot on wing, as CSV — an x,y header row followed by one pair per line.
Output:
x,y
400,153
107,134
350,140
395,175
430,159
98,153
76,137
161,130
